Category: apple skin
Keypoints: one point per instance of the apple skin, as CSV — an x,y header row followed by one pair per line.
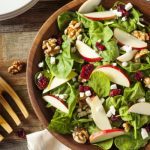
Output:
x,y
100,19
105,135
59,101
124,38
140,108
114,67
89,6
86,52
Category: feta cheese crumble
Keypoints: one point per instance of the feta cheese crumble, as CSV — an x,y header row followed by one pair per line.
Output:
x,y
124,64
141,100
128,6
81,94
144,133
41,64
113,86
88,93
53,60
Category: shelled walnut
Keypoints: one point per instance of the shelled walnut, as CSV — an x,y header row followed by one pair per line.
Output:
x,y
74,30
80,135
141,54
16,67
50,47
147,82
126,127
141,35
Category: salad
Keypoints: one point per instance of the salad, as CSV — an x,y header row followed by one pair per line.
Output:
x,y
96,76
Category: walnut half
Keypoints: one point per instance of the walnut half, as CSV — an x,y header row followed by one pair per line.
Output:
x,y
141,35
80,135
16,67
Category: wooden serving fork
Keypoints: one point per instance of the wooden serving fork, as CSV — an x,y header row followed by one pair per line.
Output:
x,y
5,87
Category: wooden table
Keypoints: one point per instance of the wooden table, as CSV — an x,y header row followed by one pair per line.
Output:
x,y
16,36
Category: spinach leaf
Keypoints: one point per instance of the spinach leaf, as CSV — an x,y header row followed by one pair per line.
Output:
x,y
133,93
107,34
134,67
62,68
111,52
128,142
100,84
64,19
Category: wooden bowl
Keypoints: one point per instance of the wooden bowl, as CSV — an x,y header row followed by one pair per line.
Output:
x,y
35,56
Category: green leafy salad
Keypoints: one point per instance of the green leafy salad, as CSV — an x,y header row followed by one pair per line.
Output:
x,y
95,76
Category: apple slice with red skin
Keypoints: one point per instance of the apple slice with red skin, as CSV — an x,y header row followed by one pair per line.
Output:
x,y
105,135
127,56
56,102
140,108
87,52
115,74
89,6
104,15
98,113
125,38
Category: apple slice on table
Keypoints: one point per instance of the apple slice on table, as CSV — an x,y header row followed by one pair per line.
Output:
x,y
56,102
87,52
125,38
105,135
98,113
104,15
140,108
59,81
89,6
115,74
127,56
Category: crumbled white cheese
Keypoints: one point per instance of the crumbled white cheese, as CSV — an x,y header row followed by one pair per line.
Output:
x,y
113,110
41,64
88,93
39,76
81,94
144,133
109,114
141,100
114,64
124,64
124,19
126,48
79,37
52,60
128,6
61,96
113,86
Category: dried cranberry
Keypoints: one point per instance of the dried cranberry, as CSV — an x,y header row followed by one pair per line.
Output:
x,y
42,82
114,118
139,76
100,46
86,88
121,8
86,71
59,40
21,133
81,88
115,92
147,127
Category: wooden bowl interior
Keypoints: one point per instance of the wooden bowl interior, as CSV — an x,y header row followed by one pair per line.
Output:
x,y
36,55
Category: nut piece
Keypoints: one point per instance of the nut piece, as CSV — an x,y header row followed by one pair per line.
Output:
x,y
16,67
147,82
141,35
50,47
140,54
73,30
126,127
80,135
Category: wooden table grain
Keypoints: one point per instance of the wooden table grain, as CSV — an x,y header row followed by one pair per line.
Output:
x,y
16,36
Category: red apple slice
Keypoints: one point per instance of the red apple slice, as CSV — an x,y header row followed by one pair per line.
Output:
x,y
98,113
125,38
140,108
105,135
115,74
56,102
89,6
87,52
104,15
127,56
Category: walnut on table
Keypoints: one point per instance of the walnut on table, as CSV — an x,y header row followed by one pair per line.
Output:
x,y
17,67
141,35
50,47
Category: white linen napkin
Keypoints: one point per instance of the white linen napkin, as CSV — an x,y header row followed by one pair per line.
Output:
x,y
43,140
